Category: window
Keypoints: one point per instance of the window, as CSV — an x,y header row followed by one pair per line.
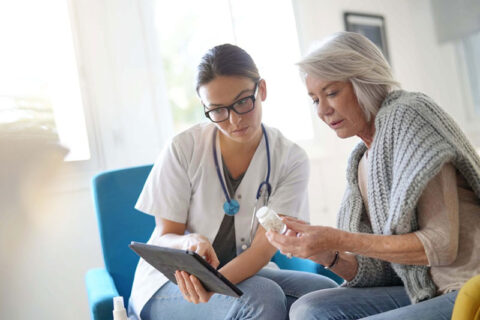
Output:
x,y
187,29
39,85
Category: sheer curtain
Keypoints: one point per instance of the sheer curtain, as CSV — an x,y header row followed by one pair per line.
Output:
x,y
128,115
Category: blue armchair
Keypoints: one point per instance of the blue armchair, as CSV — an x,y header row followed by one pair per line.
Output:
x,y
115,194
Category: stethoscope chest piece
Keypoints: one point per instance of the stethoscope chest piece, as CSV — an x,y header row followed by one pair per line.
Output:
x,y
231,207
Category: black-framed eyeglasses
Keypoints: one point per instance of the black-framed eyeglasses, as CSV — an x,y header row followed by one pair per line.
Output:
x,y
241,106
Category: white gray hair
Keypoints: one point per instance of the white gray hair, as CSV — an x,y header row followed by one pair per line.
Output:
x,y
349,56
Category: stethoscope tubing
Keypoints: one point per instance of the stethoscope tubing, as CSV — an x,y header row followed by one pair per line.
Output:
x,y
266,182
220,176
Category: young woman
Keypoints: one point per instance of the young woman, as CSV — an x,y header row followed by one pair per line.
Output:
x,y
203,192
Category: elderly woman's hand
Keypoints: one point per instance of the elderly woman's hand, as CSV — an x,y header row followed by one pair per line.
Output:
x,y
312,242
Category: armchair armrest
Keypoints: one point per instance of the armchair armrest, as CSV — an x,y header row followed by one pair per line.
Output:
x,y
294,263
306,265
467,304
101,290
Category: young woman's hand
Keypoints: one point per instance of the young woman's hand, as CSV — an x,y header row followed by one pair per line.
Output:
x,y
202,247
191,288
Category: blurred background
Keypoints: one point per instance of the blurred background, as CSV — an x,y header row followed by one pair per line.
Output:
x,y
89,85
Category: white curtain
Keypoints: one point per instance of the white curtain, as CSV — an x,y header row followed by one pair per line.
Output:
x,y
128,115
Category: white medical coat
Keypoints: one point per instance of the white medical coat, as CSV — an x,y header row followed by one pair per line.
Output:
x,y
183,186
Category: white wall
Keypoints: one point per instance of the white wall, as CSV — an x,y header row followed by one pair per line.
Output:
x,y
49,255
59,242
419,64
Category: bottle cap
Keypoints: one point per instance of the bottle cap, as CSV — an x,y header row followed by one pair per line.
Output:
x,y
262,212
118,303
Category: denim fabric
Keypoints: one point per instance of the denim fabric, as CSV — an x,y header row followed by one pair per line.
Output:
x,y
267,295
376,303
297,283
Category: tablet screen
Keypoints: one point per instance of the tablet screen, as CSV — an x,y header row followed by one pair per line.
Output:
x,y
168,260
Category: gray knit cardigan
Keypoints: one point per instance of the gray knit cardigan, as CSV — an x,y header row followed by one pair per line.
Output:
x,y
414,138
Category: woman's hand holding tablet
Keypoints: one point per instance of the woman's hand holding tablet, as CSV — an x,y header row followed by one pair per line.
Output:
x,y
193,274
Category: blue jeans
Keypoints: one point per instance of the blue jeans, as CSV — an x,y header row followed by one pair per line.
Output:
x,y
377,303
267,295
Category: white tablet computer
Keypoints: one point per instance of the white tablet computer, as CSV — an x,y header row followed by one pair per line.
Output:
x,y
168,260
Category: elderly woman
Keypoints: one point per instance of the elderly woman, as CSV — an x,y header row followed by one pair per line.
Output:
x,y
408,232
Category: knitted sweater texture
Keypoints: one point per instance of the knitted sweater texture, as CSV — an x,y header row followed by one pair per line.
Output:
x,y
414,138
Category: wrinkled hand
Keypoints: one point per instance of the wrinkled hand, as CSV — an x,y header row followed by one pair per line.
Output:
x,y
311,242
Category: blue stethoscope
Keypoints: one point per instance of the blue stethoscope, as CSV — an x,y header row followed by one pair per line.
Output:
x,y
231,206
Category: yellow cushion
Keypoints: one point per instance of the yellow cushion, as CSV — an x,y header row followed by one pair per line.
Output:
x,y
467,304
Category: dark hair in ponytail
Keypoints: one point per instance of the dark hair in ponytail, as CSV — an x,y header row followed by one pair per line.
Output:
x,y
225,60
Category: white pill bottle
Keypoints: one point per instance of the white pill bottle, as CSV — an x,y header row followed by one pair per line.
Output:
x,y
270,220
